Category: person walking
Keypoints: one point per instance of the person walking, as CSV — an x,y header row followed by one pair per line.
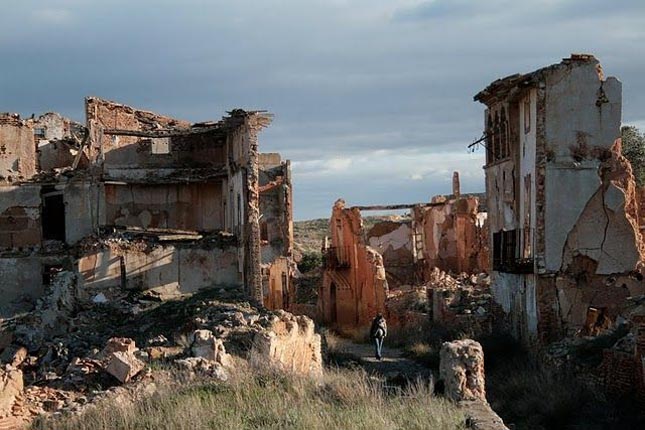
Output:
x,y
378,333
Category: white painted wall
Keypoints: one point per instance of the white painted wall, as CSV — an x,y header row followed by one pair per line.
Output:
x,y
396,239
571,115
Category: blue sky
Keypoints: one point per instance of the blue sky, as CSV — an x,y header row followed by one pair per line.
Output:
x,y
372,98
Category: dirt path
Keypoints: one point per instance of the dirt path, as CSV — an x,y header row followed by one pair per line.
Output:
x,y
398,370
393,367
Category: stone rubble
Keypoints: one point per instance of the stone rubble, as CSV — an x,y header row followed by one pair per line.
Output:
x,y
289,343
206,345
200,336
11,387
124,366
462,370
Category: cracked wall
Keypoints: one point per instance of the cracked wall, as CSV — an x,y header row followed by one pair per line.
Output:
x,y
562,195
604,252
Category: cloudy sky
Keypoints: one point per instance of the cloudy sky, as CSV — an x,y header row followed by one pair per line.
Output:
x,y
372,98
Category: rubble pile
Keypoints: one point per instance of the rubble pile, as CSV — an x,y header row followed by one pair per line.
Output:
x,y
101,346
408,306
462,303
610,360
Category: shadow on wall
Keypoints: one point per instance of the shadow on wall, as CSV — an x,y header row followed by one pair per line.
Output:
x,y
166,270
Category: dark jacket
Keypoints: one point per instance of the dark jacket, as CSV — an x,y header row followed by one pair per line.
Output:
x,y
379,328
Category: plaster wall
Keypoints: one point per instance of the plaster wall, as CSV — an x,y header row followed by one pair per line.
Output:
x,y
196,207
516,294
527,190
82,200
169,270
500,195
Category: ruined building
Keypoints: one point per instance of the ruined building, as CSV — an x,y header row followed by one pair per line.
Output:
x,y
567,252
354,287
141,201
366,269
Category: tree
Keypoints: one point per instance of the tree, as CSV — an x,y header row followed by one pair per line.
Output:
x,y
634,151
310,261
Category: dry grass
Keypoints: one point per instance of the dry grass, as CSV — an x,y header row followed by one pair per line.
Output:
x,y
260,400
424,353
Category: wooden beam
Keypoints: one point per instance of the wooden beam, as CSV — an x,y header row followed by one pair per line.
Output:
x,y
162,133
395,207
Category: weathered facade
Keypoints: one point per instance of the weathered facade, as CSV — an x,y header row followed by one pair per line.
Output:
x,y
453,231
354,286
361,266
449,233
562,206
138,200
276,231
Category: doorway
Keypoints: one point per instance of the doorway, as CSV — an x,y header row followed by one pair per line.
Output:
x,y
53,214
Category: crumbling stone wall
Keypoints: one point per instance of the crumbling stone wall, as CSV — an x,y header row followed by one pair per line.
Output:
x,y
276,232
189,207
394,241
17,149
289,343
116,151
11,387
354,287
194,188
604,251
58,140
20,218
454,235
462,370
168,270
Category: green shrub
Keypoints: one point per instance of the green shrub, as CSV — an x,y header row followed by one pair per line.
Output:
x,y
310,261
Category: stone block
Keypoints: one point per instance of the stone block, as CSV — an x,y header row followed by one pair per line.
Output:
x,y
124,366
207,346
119,344
462,370
289,344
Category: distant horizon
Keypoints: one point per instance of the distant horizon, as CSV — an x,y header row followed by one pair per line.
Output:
x,y
373,100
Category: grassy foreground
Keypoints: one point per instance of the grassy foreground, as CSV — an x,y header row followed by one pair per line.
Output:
x,y
345,399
